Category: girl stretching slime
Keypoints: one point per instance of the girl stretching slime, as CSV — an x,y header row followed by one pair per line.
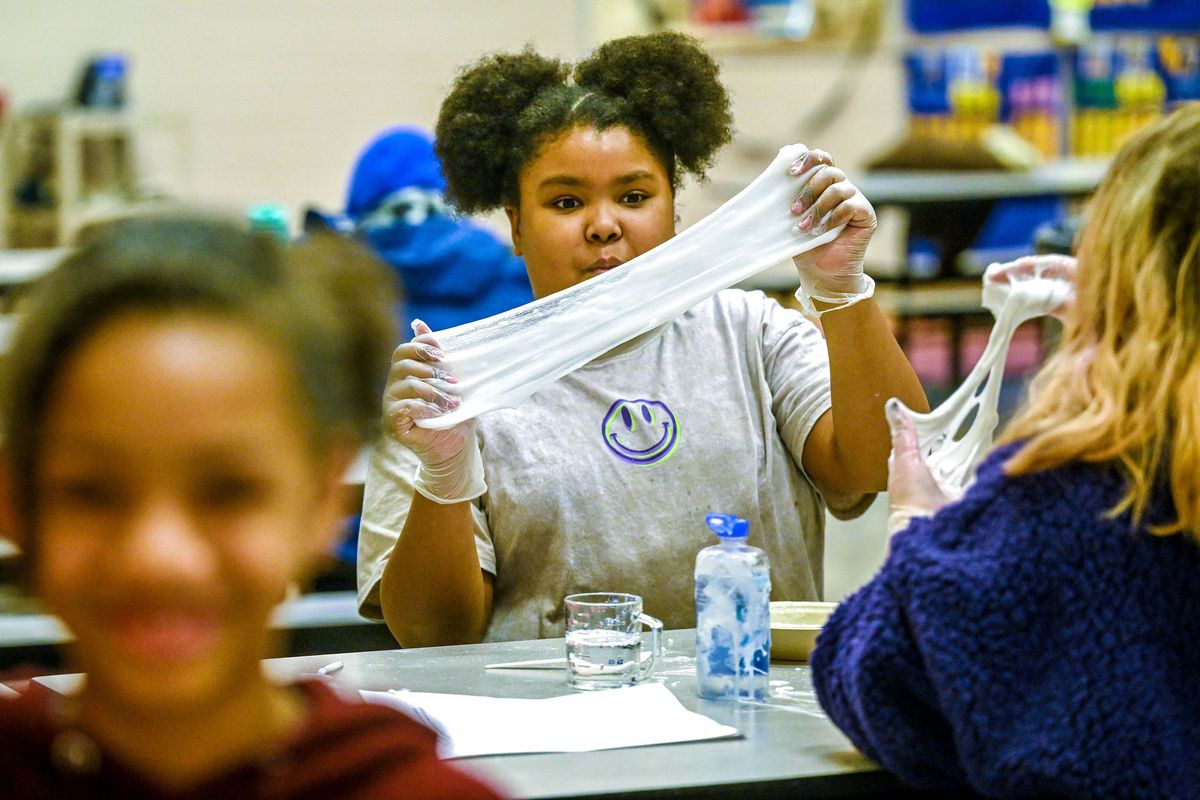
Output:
x,y
600,481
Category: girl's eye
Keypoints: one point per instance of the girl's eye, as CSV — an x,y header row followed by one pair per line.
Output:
x,y
84,493
566,203
634,198
231,492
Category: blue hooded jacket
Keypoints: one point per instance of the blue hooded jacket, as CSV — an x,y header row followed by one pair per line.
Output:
x,y
453,270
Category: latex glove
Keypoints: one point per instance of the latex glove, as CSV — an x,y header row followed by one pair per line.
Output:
x,y
451,468
1049,266
912,490
833,273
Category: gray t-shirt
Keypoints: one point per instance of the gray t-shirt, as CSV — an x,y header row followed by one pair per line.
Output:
x,y
600,481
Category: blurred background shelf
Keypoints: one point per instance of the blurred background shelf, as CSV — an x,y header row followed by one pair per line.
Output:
x,y
1068,178
62,168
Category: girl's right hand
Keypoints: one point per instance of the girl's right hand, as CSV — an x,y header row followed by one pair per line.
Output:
x,y
418,387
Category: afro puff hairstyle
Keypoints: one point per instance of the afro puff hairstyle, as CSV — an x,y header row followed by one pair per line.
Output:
x,y
502,109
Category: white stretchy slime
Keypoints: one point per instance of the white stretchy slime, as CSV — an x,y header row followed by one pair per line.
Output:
x,y
501,360
952,451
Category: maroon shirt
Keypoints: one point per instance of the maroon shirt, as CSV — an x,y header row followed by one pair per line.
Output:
x,y
346,749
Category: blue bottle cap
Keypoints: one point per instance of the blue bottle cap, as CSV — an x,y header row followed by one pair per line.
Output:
x,y
728,526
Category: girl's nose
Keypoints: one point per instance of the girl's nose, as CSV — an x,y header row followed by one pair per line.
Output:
x,y
603,226
164,540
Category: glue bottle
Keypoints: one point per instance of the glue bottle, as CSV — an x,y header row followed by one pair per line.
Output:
x,y
733,614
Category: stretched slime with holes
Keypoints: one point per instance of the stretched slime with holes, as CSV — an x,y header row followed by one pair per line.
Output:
x,y
955,436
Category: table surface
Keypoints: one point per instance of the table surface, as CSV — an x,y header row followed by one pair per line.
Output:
x,y
788,745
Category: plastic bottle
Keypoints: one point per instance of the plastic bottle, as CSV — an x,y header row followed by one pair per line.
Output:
x,y
103,83
270,218
733,614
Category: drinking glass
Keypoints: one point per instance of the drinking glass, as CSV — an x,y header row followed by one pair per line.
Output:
x,y
604,640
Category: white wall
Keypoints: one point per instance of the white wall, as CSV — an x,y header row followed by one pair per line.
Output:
x,y
247,101
269,99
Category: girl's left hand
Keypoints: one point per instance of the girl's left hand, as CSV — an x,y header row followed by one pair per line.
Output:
x,y
828,200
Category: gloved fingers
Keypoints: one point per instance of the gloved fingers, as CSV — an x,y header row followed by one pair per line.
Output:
x,y
1055,266
809,160
401,415
911,485
406,368
422,334
843,213
906,448
1005,272
840,204
910,481
833,273
417,351
420,360
414,388
1043,266
821,180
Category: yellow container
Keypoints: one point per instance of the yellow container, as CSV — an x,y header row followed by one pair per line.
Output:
x,y
794,628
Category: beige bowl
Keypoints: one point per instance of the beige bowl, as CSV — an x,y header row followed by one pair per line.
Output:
x,y
794,628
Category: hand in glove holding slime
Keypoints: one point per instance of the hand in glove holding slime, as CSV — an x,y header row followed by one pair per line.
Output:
x,y
451,468
832,277
912,490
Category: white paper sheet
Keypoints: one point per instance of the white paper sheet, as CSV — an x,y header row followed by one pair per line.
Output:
x,y
603,720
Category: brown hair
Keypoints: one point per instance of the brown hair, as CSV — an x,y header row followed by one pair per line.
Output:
x,y
1124,386
504,108
325,303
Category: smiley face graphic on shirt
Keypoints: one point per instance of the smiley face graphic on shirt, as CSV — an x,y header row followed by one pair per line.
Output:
x,y
640,431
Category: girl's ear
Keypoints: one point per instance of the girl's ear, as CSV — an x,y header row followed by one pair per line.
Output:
x,y
514,222
333,500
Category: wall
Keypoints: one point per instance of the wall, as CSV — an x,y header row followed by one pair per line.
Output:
x,y
272,100
268,100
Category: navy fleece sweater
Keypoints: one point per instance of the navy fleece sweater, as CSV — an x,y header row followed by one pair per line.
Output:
x,y
1021,643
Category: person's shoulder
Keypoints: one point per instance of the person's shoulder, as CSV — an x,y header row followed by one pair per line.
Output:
x,y
1082,485
748,301
378,752
1002,513
747,308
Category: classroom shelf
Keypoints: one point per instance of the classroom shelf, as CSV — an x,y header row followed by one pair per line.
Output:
x,y
81,162
1068,177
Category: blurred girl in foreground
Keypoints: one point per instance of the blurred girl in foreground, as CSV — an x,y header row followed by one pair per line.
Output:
x,y
180,403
